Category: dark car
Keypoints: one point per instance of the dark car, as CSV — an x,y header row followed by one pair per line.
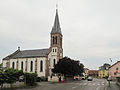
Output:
x,y
90,79
38,79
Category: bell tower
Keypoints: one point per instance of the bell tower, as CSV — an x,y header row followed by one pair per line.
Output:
x,y
56,36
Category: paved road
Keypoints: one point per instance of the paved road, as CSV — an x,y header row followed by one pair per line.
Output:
x,y
113,86
96,84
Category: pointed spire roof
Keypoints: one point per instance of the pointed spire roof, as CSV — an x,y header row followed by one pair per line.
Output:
x,y
56,27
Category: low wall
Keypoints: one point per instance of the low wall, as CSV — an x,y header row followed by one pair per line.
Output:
x,y
118,81
54,79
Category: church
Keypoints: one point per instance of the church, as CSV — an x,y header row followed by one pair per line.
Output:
x,y
41,61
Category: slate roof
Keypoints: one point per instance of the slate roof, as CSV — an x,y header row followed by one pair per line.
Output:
x,y
28,54
56,27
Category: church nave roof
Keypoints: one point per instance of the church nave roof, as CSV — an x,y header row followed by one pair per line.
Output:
x,y
28,54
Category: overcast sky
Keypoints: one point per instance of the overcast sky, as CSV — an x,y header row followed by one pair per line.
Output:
x,y
91,28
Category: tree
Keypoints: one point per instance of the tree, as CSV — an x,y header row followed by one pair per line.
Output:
x,y
12,75
2,79
9,76
67,66
0,65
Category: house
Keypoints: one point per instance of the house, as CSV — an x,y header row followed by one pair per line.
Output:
x,y
104,71
86,70
114,70
93,73
41,61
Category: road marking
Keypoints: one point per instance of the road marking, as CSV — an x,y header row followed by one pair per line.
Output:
x,y
98,84
73,87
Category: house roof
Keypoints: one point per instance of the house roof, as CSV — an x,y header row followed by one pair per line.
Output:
x,y
86,69
27,54
115,63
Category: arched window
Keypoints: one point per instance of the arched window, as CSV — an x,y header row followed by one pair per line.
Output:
x,y
55,50
54,62
13,65
21,65
41,66
56,40
53,40
31,66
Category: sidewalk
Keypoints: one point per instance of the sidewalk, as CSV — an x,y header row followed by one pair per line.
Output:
x,y
15,85
113,86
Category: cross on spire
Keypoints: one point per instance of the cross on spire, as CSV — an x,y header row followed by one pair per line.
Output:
x,y
56,6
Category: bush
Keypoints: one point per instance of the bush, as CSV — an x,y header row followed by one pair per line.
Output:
x,y
30,78
43,78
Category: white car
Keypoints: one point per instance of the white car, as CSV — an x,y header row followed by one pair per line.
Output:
x,y
90,79
109,79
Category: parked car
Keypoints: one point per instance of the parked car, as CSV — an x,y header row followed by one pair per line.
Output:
x,y
21,79
38,79
77,78
83,78
90,79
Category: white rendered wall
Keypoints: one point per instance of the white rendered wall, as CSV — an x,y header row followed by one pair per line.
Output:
x,y
15,63
29,64
52,55
43,73
4,63
20,60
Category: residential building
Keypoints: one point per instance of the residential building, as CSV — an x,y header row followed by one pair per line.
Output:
x,y
93,73
114,70
86,70
104,71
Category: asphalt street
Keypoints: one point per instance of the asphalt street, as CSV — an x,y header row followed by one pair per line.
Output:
x,y
96,84
113,86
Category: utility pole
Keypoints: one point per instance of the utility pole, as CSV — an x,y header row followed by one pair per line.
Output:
x,y
109,78
110,61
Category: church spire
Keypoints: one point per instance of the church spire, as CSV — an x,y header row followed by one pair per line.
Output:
x,y
56,27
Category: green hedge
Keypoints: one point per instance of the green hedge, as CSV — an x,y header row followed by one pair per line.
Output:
x,y
30,78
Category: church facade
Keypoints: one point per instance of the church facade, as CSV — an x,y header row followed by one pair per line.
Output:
x,y
41,61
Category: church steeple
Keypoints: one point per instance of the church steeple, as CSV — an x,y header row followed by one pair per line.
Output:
x,y
56,27
56,34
